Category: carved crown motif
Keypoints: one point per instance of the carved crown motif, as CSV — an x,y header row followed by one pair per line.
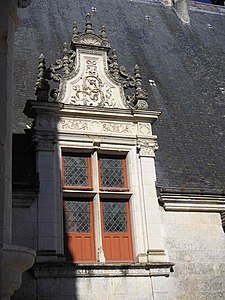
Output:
x,y
88,74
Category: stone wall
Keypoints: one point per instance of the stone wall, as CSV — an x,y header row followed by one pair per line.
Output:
x,y
195,242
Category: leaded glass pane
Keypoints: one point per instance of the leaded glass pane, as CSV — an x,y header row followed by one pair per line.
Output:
x,y
77,216
114,216
75,171
112,174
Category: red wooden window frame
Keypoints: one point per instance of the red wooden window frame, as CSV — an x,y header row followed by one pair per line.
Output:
x,y
110,188
88,159
117,245
80,246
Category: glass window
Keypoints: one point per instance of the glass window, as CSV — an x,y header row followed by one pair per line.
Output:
x,y
76,171
113,213
112,173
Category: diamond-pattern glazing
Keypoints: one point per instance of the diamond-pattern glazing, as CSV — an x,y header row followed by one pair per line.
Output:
x,y
75,171
114,216
77,216
111,170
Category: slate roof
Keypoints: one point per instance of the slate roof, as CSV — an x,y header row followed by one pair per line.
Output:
x,y
185,61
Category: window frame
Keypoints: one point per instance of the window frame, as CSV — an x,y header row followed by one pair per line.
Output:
x,y
97,194
89,187
116,189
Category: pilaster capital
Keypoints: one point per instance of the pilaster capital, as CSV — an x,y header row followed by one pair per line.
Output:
x,y
146,148
44,141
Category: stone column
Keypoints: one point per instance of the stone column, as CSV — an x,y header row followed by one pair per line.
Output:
x,y
9,266
152,218
137,207
47,206
8,22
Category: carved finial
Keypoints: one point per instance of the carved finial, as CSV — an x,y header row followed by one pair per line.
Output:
x,y
140,93
104,36
42,86
88,24
115,65
65,59
103,33
75,36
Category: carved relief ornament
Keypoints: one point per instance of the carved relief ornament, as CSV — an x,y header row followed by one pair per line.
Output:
x,y
146,148
100,127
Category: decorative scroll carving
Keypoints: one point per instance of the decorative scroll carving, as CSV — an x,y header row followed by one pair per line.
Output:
x,y
146,148
97,83
96,126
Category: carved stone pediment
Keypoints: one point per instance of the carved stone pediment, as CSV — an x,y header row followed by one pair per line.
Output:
x,y
91,85
89,75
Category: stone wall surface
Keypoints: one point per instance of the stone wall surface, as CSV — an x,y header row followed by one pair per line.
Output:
x,y
196,243
24,227
117,288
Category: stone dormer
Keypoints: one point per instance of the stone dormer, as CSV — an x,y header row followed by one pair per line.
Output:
x,y
89,75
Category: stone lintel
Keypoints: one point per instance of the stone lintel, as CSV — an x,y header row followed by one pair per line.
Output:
x,y
66,270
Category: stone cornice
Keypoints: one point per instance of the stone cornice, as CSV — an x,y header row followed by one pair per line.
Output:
x,y
65,269
33,108
191,200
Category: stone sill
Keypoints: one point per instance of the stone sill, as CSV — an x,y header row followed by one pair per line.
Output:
x,y
67,269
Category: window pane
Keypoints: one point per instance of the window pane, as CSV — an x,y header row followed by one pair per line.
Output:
x,y
75,171
77,216
114,216
111,172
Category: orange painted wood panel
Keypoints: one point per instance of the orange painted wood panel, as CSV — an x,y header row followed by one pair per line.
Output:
x,y
80,247
117,247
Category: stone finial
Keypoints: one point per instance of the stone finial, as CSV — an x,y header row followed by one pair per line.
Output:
x,y
89,28
103,33
75,35
115,66
65,59
42,85
140,93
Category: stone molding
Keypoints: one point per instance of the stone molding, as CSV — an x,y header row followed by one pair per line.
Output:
x,y
175,201
66,270
23,198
